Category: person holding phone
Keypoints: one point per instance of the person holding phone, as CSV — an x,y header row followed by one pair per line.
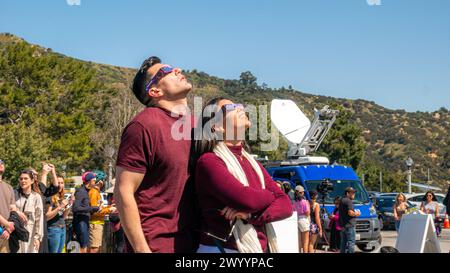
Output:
x,y
56,211
97,221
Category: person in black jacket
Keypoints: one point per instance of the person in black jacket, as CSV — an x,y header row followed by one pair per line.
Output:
x,y
446,201
20,232
82,211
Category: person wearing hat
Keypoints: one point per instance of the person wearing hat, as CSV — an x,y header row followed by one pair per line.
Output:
x,y
347,221
154,194
82,211
97,221
301,206
7,202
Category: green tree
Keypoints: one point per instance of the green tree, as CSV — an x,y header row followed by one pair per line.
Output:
x,y
344,143
53,98
247,79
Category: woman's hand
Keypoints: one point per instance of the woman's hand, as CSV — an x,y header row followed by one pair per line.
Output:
x,y
320,233
36,245
52,168
22,217
64,203
230,214
5,235
46,168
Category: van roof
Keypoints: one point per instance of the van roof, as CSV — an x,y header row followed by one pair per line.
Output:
x,y
333,172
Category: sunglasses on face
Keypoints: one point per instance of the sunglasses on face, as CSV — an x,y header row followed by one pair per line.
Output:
x,y
162,72
231,107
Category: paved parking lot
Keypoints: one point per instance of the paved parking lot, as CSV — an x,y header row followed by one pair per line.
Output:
x,y
390,238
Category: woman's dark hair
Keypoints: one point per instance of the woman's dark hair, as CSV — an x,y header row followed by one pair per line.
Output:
x,y
425,196
141,80
313,195
286,187
203,141
337,198
206,139
35,185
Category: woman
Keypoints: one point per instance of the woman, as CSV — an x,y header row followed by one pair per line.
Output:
x,y
49,191
238,199
301,206
30,208
316,224
56,211
430,205
335,228
400,208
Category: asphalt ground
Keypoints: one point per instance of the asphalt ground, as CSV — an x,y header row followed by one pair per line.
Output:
x,y
390,238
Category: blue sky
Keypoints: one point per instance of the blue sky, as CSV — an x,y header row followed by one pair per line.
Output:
x,y
396,54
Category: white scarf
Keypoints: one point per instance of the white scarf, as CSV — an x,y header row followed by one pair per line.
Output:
x,y
245,234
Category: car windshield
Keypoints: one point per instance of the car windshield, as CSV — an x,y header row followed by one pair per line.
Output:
x,y
339,186
385,202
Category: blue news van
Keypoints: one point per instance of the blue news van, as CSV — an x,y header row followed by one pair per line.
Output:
x,y
310,175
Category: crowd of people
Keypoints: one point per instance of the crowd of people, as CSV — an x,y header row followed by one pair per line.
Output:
x,y
310,221
33,216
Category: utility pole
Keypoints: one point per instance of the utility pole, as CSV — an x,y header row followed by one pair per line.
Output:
x,y
381,182
409,163
363,178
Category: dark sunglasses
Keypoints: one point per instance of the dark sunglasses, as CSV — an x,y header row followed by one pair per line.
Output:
x,y
229,107
162,72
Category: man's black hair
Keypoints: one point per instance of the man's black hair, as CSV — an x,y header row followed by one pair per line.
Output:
x,y
141,80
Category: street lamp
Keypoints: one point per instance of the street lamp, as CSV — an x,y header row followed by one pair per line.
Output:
x,y
110,174
409,163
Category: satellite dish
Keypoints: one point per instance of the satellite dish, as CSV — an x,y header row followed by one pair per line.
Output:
x,y
289,120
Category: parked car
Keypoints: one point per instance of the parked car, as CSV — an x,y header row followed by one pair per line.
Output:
x,y
416,199
385,210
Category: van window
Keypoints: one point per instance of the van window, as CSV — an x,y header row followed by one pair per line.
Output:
x,y
361,196
284,175
417,198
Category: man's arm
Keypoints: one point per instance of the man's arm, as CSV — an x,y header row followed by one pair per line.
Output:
x,y
126,185
353,213
351,210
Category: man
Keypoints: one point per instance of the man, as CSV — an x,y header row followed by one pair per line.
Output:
x,y
347,220
7,203
82,211
97,221
446,200
153,191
